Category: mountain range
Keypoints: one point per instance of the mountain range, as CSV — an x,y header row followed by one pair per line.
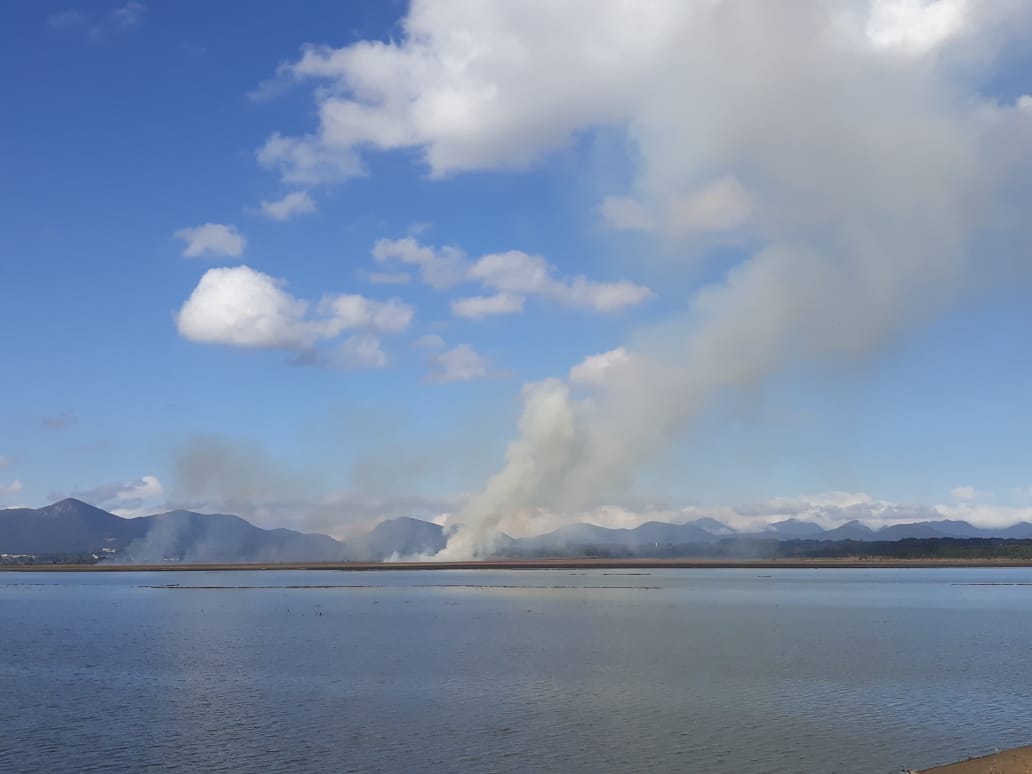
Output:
x,y
71,527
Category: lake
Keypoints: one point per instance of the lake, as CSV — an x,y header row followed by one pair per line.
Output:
x,y
717,670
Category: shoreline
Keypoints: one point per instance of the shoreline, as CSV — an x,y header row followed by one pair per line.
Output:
x,y
1016,760
535,564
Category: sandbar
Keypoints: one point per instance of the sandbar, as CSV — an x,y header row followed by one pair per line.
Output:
x,y
1015,761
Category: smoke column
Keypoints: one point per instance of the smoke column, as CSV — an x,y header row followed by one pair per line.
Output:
x,y
857,157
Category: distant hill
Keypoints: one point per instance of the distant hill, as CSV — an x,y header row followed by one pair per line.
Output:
x,y
198,537
68,526
76,529
789,529
403,536
851,530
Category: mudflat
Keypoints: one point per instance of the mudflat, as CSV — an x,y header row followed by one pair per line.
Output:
x,y
1016,761
537,564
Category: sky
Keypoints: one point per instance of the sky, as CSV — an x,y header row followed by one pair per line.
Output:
x,y
515,265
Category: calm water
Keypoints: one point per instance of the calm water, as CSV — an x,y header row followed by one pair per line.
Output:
x,y
600,671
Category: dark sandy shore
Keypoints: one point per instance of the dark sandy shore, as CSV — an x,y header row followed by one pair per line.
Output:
x,y
1016,761
539,564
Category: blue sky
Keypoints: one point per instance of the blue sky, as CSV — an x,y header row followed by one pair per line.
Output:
x,y
128,124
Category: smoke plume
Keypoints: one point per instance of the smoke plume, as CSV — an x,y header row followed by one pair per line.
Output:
x,y
851,145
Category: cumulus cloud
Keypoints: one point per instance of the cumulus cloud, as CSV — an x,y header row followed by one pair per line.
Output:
x,y
520,89
826,510
440,268
476,87
518,273
99,26
293,204
513,275
353,311
126,498
11,487
965,492
458,364
212,239
303,162
483,306
128,15
363,350
243,307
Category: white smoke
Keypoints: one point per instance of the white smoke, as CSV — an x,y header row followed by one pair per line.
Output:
x,y
876,176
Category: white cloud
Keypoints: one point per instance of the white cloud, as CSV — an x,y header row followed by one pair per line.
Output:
x,y
99,26
5,461
827,510
481,86
362,350
11,487
303,161
477,86
126,498
147,486
128,15
517,272
513,275
244,307
294,203
1024,103
595,370
985,515
350,311
459,364
626,214
965,492
212,239
477,307
440,268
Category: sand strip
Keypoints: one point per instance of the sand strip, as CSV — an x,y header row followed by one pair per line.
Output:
x,y
1016,761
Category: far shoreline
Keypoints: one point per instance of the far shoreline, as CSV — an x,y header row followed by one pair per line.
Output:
x,y
536,564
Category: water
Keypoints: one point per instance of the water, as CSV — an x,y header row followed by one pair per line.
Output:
x,y
743,671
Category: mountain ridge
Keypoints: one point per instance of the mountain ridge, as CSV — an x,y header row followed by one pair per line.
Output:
x,y
72,526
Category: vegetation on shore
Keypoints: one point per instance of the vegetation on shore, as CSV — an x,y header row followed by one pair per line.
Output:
x,y
961,549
